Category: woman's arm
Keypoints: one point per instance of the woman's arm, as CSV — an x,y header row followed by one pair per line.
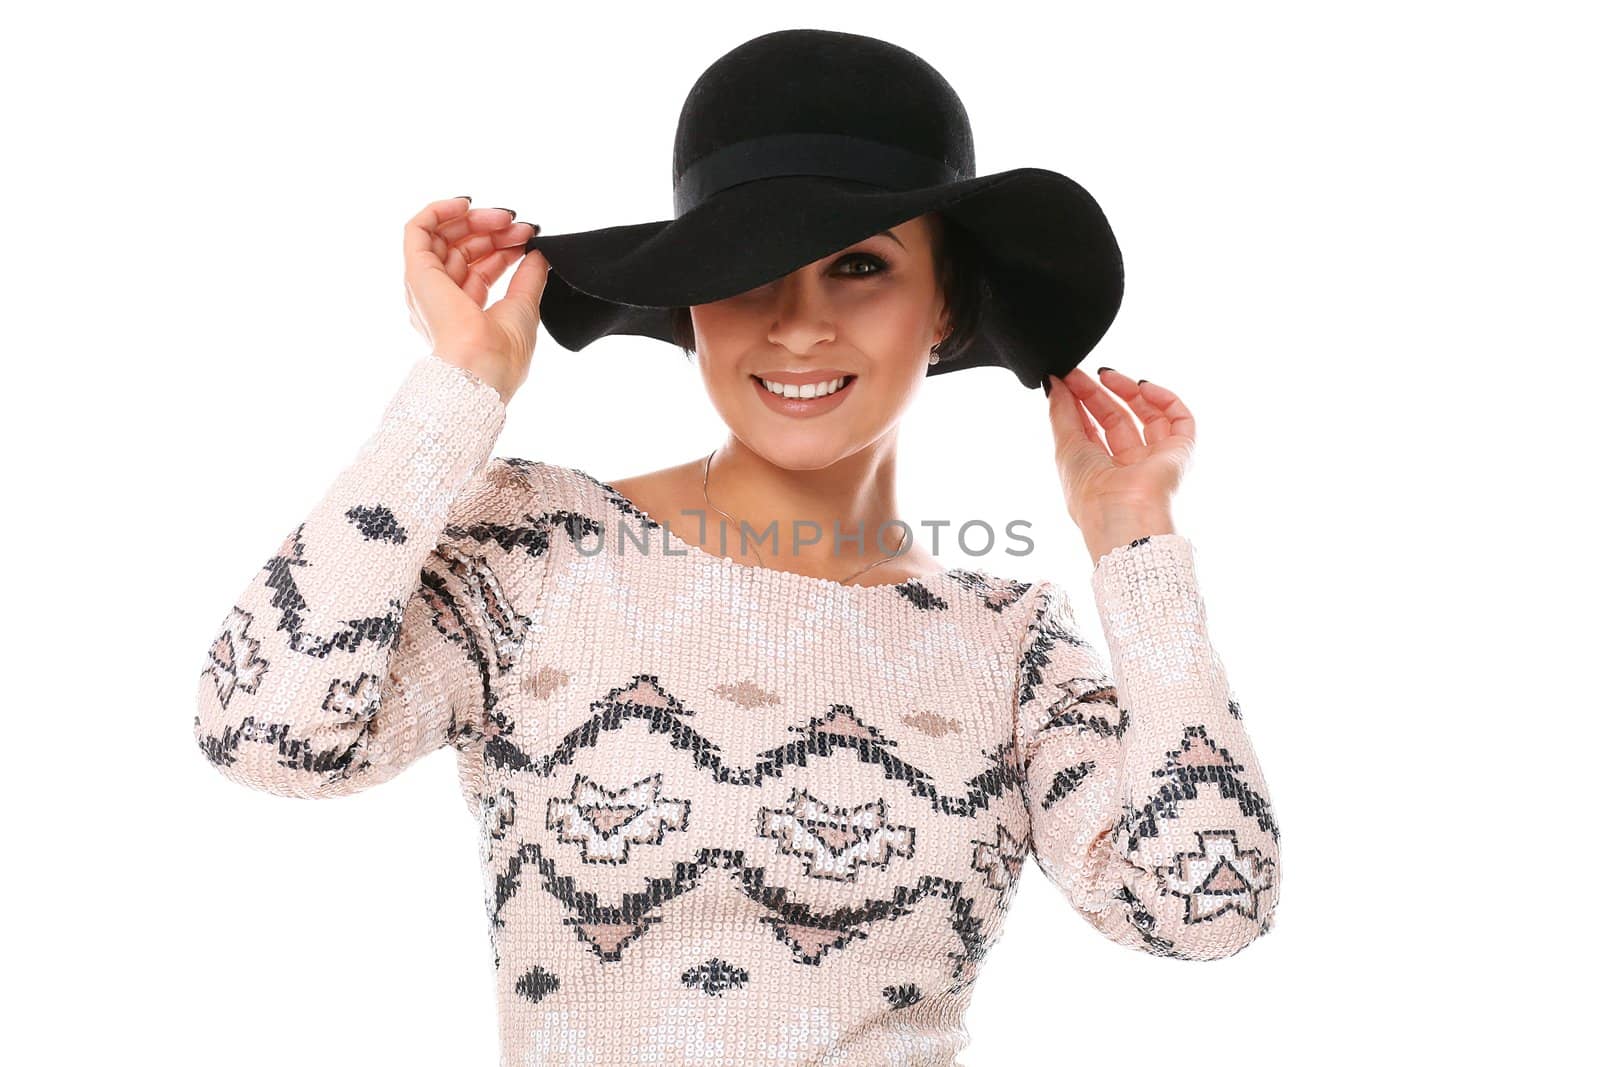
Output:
x,y
366,641
1148,808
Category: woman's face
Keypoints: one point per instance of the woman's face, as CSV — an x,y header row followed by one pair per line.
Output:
x,y
867,314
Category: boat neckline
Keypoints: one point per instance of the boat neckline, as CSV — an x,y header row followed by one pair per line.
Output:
x,y
771,575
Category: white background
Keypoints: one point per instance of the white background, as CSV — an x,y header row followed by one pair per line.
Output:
x,y
1361,245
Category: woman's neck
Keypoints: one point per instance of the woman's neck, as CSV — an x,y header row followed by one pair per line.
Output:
x,y
778,506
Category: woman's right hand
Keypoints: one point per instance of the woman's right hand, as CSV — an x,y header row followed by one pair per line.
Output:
x,y
454,253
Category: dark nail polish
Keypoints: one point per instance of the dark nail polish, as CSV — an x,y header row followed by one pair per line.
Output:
x,y
513,214
468,199
535,226
1102,370
1143,380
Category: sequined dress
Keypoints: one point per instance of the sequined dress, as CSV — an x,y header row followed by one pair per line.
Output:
x,y
731,814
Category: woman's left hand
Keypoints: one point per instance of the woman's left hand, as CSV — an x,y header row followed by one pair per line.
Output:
x,y
1120,489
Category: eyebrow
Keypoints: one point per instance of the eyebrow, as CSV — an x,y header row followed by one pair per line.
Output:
x,y
890,236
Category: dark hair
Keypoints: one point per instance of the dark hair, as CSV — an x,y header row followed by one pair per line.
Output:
x,y
958,266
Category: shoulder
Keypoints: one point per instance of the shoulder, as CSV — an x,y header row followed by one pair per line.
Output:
x,y
514,488
1009,604
1043,606
998,593
515,510
503,490
531,479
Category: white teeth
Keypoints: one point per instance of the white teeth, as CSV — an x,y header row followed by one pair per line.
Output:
x,y
804,392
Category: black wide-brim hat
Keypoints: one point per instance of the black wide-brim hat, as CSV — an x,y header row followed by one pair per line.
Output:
x,y
801,142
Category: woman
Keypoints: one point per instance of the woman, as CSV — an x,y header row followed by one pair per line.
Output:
x,y
738,806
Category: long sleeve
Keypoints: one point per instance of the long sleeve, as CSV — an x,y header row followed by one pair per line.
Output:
x,y
366,642
1148,808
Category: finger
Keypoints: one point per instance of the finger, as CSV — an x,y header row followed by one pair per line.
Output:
x,y
1066,425
523,293
426,273
462,253
517,234
477,220
459,231
1177,414
1121,431
456,265
1076,436
527,283
421,229
477,246
1156,426
1091,431
484,272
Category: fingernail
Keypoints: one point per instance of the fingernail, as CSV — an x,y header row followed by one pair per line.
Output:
x,y
1102,370
513,214
535,226
468,199
1143,380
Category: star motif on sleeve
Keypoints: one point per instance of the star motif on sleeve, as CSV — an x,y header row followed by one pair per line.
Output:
x,y
356,699
1219,878
234,662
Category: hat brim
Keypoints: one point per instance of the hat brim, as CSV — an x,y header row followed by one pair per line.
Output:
x,y
1054,266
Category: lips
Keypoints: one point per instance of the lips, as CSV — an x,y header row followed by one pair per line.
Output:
x,y
804,407
804,386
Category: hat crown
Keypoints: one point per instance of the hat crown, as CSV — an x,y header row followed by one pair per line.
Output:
x,y
822,103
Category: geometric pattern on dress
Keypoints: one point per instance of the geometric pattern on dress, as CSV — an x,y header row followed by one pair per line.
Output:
x,y
1048,631
715,977
747,694
994,592
1218,877
1197,760
903,995
836,731
604,822
1000,860
234,660
809,933
1084,704
834,842
931,724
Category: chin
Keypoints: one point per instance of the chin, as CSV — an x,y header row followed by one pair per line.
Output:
x,y
789,453
792,437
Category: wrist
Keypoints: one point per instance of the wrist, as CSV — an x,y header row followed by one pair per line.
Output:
x,y
487,371
1120,526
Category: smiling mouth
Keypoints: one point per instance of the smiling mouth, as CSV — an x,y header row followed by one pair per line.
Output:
x,y
810,391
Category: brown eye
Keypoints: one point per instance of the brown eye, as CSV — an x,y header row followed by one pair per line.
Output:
x,y
865,258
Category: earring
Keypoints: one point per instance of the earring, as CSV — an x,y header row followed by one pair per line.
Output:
x,y
933,353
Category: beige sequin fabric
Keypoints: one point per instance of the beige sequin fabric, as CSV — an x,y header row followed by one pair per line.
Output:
x,y
730,814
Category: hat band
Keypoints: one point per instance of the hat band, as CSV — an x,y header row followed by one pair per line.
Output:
x,y
825,155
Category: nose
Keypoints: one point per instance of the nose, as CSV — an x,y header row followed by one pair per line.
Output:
x,y
801,317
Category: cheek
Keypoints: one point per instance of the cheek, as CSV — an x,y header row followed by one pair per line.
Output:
x,y
724,330
892,333
891,327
